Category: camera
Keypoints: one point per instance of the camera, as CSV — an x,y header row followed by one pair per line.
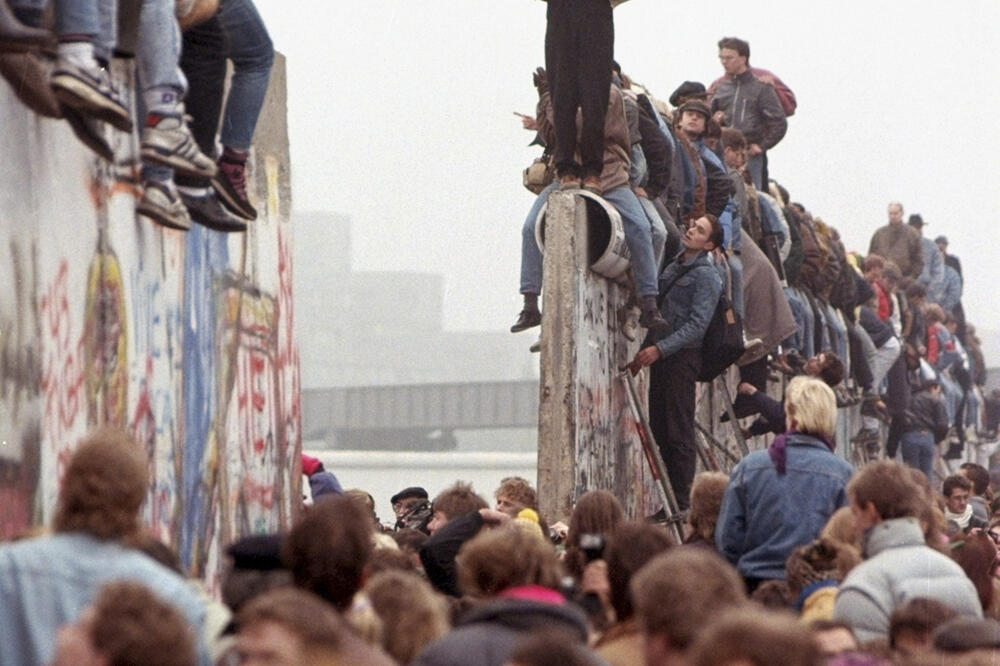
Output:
x,y
592,546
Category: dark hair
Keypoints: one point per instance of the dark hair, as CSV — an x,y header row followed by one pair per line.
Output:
x,y
717,237
919,616
630,546
741,46
596,512
328,548
979,476
955,481
916,290
733,138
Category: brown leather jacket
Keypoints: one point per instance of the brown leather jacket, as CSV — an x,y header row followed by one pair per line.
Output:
x,y
616,137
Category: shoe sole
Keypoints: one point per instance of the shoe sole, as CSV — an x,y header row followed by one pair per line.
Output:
x,y
73,92
158,216
170,159
83,133
234,205
518,329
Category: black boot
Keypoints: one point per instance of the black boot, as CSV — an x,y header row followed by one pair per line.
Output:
x,y
651,317
530,316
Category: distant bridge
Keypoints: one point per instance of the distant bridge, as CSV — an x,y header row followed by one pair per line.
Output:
x,y
415,416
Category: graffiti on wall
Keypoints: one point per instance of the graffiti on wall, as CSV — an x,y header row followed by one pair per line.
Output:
x,y
20,371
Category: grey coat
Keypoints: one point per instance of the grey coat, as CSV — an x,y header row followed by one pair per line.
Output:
x,y
900,567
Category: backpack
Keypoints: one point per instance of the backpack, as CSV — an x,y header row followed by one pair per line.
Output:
x,y
723,342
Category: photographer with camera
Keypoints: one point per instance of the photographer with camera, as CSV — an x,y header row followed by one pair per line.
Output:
x,y
412,508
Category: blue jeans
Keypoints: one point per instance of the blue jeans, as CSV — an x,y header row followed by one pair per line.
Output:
x,y
638,236
657,231
95,18
531,256
159,50
918,451
236,33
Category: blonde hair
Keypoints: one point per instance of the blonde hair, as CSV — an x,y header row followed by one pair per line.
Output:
x,y
812,406
412,613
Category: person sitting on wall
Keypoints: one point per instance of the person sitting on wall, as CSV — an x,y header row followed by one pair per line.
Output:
x,y
614,187
691,287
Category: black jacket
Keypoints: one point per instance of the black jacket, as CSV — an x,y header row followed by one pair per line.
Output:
x,y
927,412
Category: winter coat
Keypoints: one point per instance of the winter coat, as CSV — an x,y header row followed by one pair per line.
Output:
x,y
899,567
751,106
439,551
617,143
764,515
488,634
766,313
901,244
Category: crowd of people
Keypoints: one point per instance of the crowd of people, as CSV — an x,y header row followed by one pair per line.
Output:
x,y
795,558
702,217
195,133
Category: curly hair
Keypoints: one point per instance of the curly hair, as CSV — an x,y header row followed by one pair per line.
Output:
x,y
328,548
131,625
706,501
519,491
104,486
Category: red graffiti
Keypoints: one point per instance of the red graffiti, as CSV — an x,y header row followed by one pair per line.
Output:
x,y
62,361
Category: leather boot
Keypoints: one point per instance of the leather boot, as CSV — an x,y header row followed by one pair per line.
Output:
x,y
651,317
17,37
28,75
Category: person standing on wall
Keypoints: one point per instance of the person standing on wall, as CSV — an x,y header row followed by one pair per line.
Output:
x,y
579,50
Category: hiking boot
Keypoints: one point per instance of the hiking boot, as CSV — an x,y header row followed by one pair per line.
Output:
x,y
90,132
525,320
166,140
162,204
208,212
230,183
15,37
28,75
91,91
651,318
593,184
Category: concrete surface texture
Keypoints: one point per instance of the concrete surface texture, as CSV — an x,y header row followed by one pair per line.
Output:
x,y
185,339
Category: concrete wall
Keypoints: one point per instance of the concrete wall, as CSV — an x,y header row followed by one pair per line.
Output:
x,y
186,339
587,436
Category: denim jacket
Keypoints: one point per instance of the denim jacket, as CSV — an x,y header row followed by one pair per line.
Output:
x,y
689,303
47,581
765,516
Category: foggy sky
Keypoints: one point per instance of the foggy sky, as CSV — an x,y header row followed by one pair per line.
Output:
x,y
401,116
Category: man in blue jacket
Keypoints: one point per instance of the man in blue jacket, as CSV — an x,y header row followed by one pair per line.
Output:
x,y
781,498
690,287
